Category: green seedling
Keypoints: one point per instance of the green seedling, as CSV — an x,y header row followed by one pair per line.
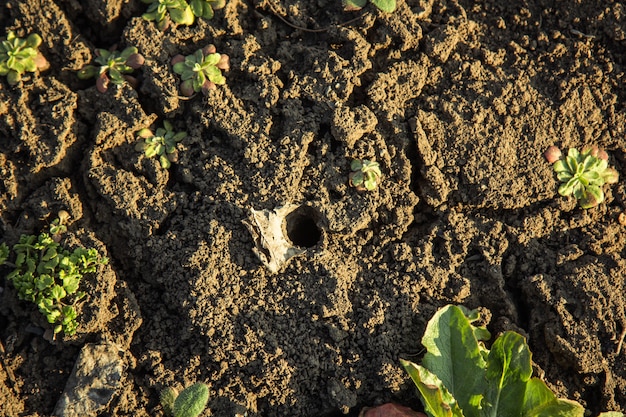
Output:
x,y
189,403
365,175
48,275
459,376
201,71
164,12
582,173
384,5
205,8
114,67
162,144
18,56
4,253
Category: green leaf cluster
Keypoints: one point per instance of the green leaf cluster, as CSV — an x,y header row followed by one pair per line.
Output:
x,y
49,276
201,71
4,253
460,377
112,65
583,174
162,144
163,12
387,6
189,403
365,174
205,8
18,56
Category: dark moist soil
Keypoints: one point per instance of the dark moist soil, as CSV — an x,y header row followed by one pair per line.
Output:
x,y
456,101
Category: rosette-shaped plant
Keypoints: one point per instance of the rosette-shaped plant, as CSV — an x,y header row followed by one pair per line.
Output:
x,y
164,12
114,67
162,144
18,56
205,8
201,71
365,175
583,173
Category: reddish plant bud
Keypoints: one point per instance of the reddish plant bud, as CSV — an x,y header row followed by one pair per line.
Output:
x,y
102,83
209,49
603,155
186,88
131,80
208,86
135,61
590,150
552,154
176,59
41,62
224,62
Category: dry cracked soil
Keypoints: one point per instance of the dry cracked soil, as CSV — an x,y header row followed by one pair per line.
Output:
x,y
457,101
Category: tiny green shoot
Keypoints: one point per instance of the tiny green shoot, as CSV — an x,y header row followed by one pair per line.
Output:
x,y
387,6
189,403
365,175
164,12
206,8
201,71
18,56
582,173
113,67
161,145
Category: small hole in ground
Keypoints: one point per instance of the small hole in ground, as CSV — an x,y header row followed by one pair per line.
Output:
x,y
301,227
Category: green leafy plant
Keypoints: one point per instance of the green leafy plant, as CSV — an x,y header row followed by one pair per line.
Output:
x,y
164,12
384,5
162,144
189,403
582,173
365,174
205,8
459,376
113,67
201,71
48,275
18,56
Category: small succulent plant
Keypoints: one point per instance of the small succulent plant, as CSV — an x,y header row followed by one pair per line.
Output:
x,y
205,8
384,5
114,67
365,175
201,71
164,12
18,56
189,403
582,173
162,144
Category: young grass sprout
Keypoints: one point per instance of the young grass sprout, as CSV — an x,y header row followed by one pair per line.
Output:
x,y
113,67
18,56
201,71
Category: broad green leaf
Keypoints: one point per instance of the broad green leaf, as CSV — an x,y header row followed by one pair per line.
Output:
x,y
57,292
191,401
454,356
508,370
437,400
182,17
350,5
385,5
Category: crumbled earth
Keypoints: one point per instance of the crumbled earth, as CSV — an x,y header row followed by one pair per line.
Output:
x,y
457,101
